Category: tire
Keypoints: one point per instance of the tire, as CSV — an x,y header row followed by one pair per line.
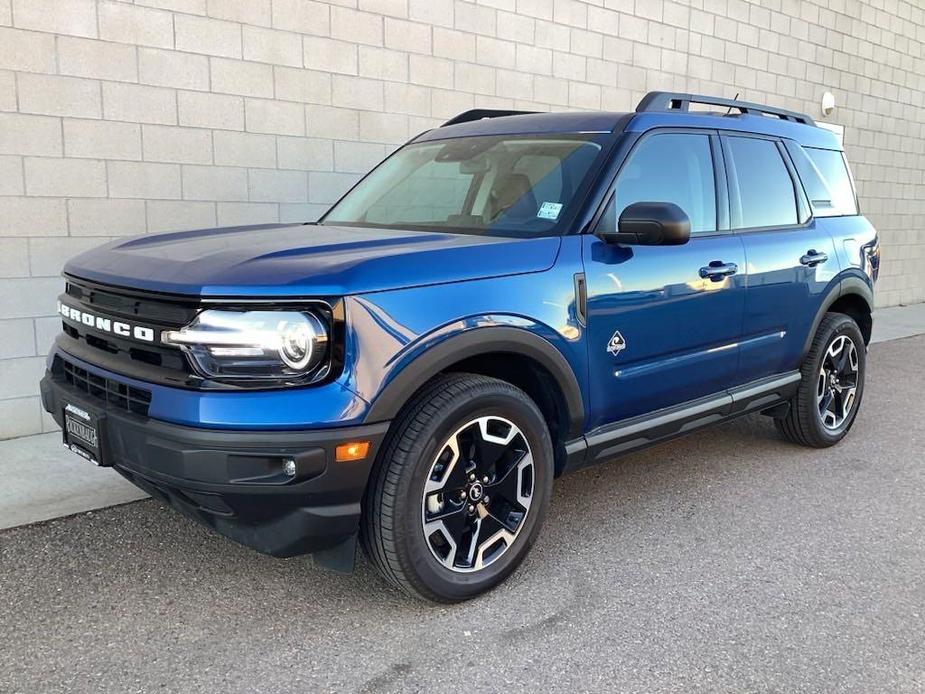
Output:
x,y
414,484
806,423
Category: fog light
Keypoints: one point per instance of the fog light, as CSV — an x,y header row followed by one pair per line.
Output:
x,y
347,452
289,467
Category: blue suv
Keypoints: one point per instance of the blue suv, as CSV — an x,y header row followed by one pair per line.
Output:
x,y
506,298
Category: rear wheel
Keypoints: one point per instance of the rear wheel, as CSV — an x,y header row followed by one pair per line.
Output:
x,y
827,401
461,490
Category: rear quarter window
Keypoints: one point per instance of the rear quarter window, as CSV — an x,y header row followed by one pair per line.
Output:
x,y
825,177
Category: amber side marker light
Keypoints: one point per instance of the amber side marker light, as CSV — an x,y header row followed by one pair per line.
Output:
x,y
348,452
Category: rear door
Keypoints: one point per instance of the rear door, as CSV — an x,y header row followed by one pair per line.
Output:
x,y
791,260
664,321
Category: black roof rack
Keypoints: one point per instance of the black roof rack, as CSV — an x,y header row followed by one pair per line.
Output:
x,y
672,101
480,113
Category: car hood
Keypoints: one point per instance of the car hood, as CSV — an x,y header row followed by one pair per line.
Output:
x,y
306,260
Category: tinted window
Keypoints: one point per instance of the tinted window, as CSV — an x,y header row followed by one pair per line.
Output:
x,y
831,167
762,183
504,185
674,168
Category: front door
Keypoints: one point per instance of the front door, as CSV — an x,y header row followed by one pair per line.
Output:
x,y
664,321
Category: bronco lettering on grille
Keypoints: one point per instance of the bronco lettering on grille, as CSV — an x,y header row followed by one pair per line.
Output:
x,y
106,325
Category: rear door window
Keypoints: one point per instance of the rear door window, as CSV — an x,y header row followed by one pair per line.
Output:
x,y
759,179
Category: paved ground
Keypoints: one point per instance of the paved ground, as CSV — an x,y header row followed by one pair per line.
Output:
x,y
724,561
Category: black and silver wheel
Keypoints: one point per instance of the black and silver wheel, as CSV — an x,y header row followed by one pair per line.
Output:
x,y
461,490
827,401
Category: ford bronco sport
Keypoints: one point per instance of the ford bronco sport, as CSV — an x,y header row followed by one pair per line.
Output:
x,y
506,298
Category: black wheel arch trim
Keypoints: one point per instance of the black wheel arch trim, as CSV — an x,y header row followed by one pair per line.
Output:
x,y
847,286
472,343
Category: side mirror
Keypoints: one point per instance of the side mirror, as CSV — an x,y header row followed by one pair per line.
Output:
x,y
651,224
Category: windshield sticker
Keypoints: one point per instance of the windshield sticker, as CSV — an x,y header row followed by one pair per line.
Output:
x,y
549,210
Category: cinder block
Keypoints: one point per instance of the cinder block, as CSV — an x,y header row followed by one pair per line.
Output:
x,y
271,185
475,19
177,144
14,262
49,177
478,79
277,117
457,45
383,127
244,149
205,35
7,90
535,60
28,51
20,216
305,153
303,16
17,337
139,104
408,36
59,96
173,69
302,212
358,27
29,297
100,139
131,24
169,215
383,64
330,55
435,12
272,46
407,98
433,72
240,77
203,110
47,256
517,27
489,51
218,183
98,59
246,213
307,86
357,92
108,217
11,175
393,8
46,330
334,123
129,179
20,417
71,17
244,11
19,377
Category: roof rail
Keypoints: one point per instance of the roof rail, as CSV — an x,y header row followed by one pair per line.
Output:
x,y
672,101
480,113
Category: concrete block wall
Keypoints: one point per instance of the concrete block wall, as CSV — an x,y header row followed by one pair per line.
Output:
x,y
122,117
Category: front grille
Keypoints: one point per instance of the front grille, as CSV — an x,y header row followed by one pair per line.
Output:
x,y
148,361
106,391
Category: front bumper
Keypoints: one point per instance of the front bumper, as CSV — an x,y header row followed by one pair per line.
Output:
x,y
232,480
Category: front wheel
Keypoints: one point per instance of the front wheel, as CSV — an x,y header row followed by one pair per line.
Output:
x,y
461,490
827,401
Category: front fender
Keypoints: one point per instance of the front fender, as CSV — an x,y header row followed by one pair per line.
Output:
x,y
471,337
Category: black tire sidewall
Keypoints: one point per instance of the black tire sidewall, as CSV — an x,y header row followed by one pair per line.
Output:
x,y
413,552
842,325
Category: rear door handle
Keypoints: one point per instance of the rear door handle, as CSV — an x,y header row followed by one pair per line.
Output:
x,y
717,270
813,258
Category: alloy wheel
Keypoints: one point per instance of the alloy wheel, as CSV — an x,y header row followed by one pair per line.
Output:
x,y
477,494
837,383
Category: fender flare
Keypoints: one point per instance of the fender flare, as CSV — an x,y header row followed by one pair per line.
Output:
x,y
850,285
472,343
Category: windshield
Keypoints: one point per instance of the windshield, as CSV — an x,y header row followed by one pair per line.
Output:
x,y
500,185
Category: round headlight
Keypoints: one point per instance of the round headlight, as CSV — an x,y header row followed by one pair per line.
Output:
x,y
297,341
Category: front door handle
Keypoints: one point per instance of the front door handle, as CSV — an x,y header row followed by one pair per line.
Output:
x,y
717,270
813,258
